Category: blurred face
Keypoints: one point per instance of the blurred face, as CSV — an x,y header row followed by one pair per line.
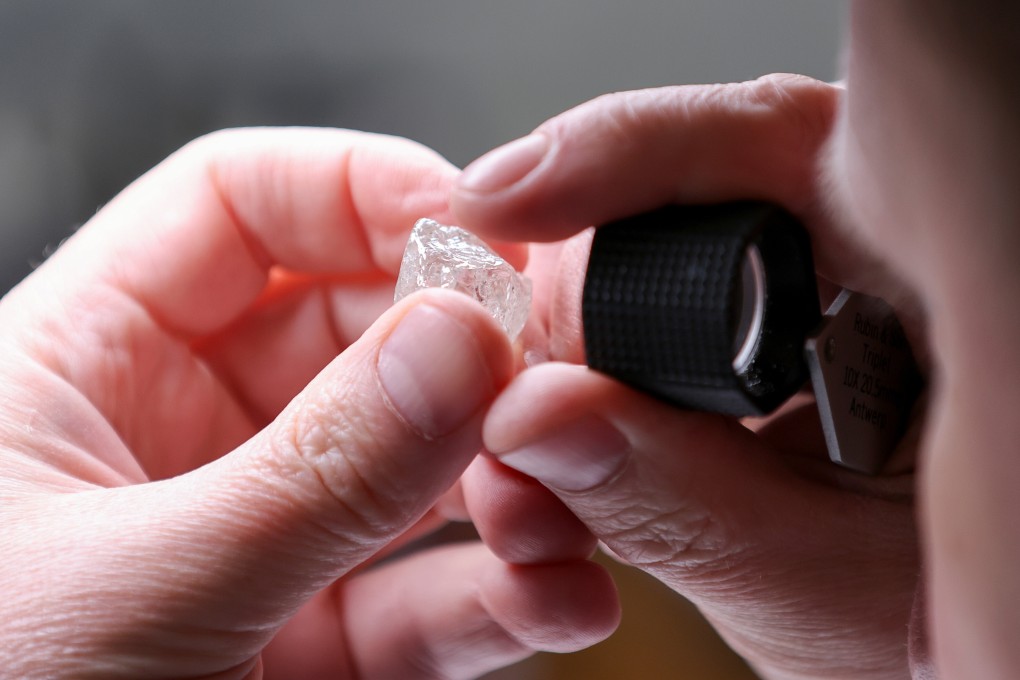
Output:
x,y
911,160
881,161
925,165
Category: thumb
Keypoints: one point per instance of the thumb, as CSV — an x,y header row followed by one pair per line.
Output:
x,y
769,553
362,453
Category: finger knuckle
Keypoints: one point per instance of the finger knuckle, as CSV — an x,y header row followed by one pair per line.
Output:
x,y
683,539
612,118
804,106
807,104
321,449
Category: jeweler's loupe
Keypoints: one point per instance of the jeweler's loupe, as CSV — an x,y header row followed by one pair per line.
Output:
x,y
716,308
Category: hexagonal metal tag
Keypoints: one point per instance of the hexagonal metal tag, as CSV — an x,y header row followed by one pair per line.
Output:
x,y
865,380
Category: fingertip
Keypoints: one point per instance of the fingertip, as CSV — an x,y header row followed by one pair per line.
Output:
x,y
505,167
487,194
497,350
457,611
557,424
555,608
442,360
519,519
628,152
539,398
512,192
582,168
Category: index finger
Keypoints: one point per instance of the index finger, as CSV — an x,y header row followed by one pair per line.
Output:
x,y
634,151
627,153
194,240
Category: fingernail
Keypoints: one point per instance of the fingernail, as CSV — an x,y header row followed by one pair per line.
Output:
x,y
505,166
433,371
577,457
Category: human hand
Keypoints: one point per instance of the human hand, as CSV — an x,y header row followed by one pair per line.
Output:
x,y
806,569
190,474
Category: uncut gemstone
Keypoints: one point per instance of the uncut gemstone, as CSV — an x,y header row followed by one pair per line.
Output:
x,y
443,256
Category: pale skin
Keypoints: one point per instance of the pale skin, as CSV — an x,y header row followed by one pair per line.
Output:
x,y
906,182
210,420
774,544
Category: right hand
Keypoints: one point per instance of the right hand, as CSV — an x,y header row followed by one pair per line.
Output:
x,y
807,570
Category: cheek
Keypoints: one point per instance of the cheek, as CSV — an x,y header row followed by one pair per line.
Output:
x,y
891,160
870,185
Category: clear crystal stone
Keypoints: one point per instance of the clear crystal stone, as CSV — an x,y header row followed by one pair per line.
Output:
x,y
442,256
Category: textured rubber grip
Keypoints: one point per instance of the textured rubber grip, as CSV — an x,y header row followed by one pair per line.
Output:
x,y
662,300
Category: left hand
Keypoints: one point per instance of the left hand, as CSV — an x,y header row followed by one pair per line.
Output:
x,y
200,444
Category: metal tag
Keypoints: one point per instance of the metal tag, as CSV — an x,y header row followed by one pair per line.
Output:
x,y
865,380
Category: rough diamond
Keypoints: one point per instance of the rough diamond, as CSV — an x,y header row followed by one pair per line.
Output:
x,y
442,256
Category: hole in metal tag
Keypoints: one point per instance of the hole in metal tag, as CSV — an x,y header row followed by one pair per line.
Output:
x,y
865,380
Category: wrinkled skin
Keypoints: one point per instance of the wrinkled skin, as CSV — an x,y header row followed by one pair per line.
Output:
x,y
904,180
211,424
752,523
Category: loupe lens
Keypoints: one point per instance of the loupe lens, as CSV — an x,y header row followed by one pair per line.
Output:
x,y
750,309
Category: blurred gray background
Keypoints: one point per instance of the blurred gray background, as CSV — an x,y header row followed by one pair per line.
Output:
x,y
94,93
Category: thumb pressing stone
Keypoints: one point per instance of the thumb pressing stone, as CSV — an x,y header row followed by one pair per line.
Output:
x,y
442,256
